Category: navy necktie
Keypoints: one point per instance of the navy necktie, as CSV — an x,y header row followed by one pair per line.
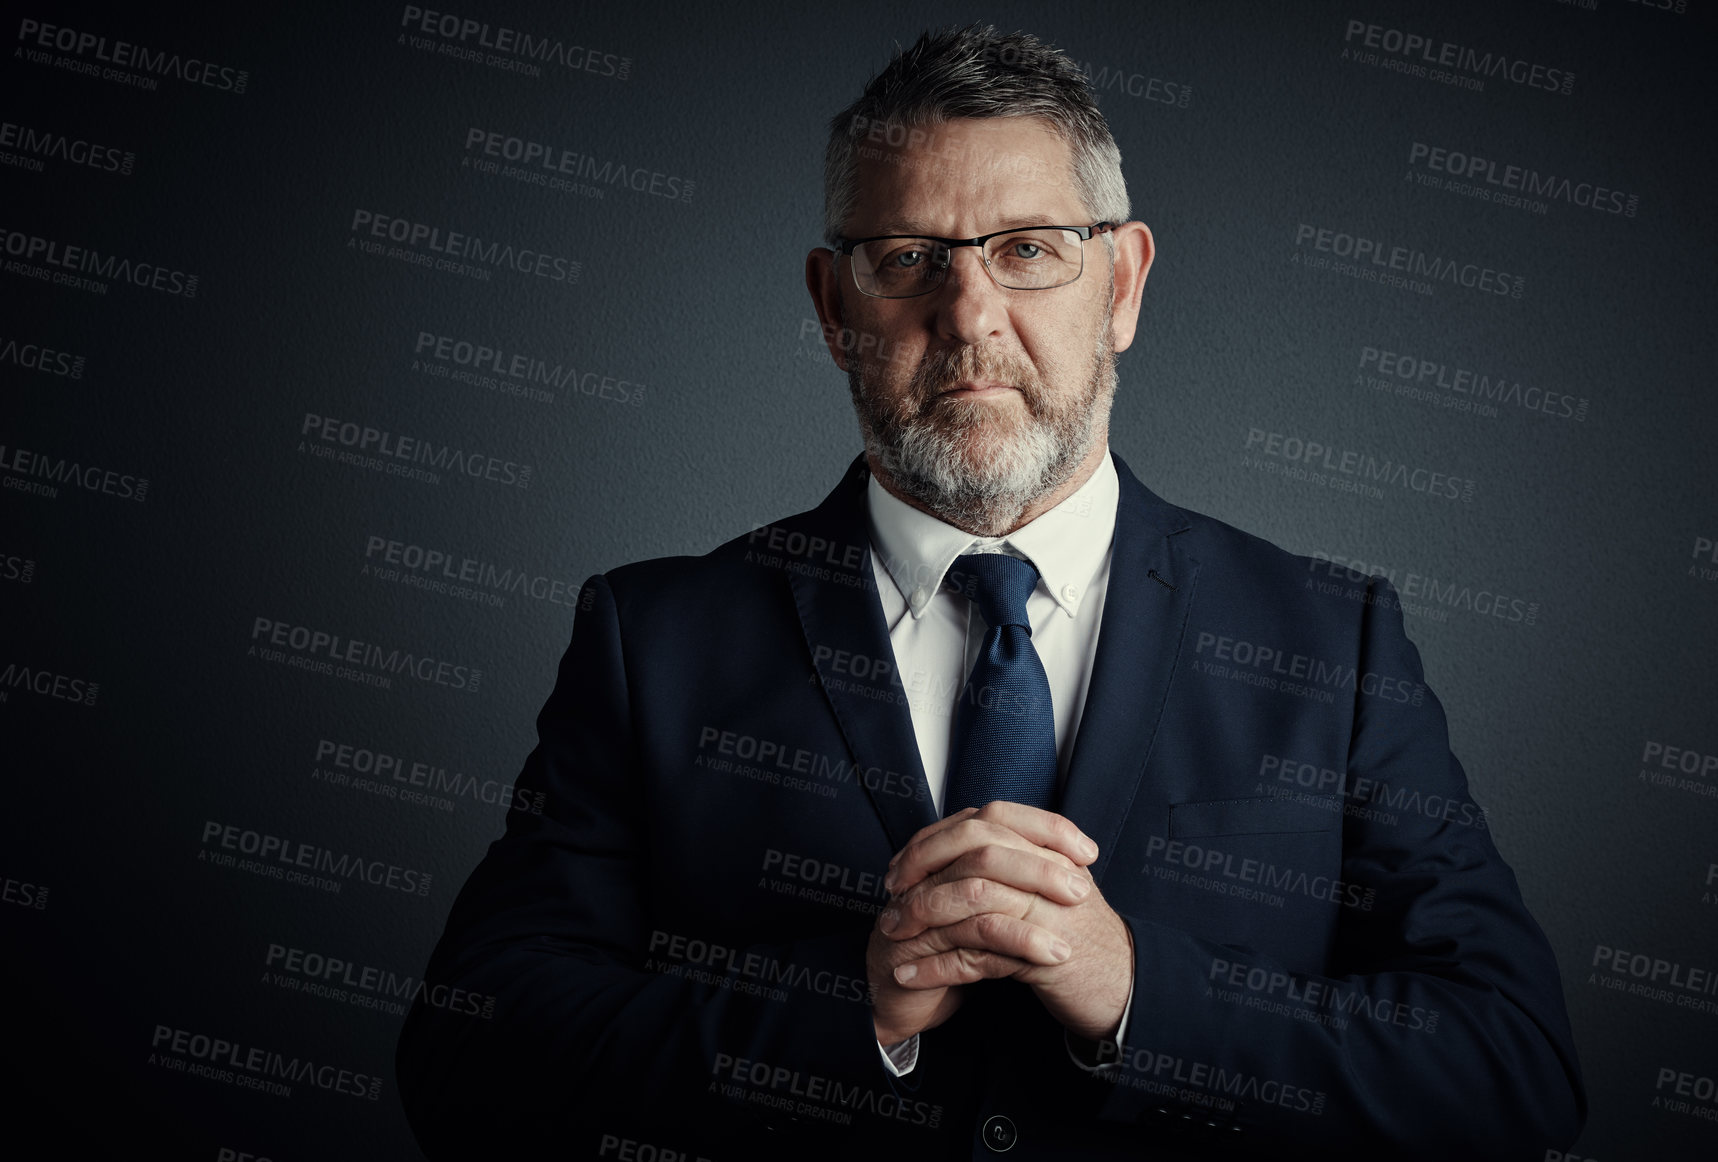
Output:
x,y
1004,733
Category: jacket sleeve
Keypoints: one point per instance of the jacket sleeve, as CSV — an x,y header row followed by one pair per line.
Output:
x,y
1440,1031
552,931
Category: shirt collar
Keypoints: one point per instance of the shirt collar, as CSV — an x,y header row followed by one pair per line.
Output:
x,y
1067,544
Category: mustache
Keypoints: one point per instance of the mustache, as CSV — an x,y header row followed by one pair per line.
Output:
x,y
941,370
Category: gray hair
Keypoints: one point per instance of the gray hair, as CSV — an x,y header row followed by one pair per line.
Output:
x,y
976,72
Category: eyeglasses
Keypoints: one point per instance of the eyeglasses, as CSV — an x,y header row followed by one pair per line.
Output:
x,y
903,266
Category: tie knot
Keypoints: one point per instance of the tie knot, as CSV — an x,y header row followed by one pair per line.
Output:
x,y
998,584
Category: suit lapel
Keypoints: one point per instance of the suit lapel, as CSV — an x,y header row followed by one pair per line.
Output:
x,y
846,621
1139,643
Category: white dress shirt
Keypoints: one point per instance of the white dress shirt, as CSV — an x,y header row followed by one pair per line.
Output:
x,y
936,634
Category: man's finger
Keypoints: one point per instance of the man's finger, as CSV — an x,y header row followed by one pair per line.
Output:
x,y
986,879
988,932
956,967
939,825
992,945
1013,824
942,904
1045,828
926,857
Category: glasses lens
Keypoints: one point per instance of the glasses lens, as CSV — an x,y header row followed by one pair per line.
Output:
x,y
1035,259
898,268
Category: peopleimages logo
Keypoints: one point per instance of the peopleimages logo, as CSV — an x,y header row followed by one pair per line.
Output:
x,y
36,357
54,471
342,763
273,855
1421,593
23,893
1426,56
37,145
383,450
1273,662
320,651
514,373
1502,181
16,568
461,253
1409,261
539,163
367,986
49,684
1104,80
463,38
424,567
253,1067
1362,466
1397,370
1707,548
41,39
62,264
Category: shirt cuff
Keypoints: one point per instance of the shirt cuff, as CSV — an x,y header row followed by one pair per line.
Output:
x,y
1121,1034
900,1058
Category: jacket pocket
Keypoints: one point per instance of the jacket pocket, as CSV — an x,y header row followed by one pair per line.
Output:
x,y
1259,816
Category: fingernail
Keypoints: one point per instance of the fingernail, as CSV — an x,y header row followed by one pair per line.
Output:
x,y
1079,885
1060,950
1088,849
906,972
888,920
889,882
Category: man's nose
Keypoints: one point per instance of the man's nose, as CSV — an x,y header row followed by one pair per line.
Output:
x,y
970,306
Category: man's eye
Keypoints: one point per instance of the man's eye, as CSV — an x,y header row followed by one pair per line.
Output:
x,y
1026,250
906,259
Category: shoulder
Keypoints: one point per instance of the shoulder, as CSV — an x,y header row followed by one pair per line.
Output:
x,y
1248,581
1244,559
1224,553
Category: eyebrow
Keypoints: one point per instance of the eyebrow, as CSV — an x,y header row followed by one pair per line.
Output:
x,y
918,229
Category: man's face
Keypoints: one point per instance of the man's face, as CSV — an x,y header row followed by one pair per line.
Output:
x,y
975,400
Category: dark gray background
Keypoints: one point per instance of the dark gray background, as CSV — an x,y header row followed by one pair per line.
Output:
x,y
744,419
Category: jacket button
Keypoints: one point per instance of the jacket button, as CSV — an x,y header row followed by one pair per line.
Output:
x,y
999,1134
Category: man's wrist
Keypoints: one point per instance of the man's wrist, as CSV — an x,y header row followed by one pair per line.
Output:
x,y
1093,1055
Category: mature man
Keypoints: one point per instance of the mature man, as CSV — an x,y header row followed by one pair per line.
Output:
x,y
1164,845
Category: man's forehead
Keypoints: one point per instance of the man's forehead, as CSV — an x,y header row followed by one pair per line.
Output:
x,y
1014,171
1004,221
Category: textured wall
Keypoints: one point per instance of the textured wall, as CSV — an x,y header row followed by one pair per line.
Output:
x,y
200,291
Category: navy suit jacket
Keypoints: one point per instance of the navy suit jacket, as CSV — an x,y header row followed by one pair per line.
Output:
x,y
1332,960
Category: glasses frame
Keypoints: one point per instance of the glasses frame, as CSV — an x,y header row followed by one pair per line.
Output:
x,y
847,245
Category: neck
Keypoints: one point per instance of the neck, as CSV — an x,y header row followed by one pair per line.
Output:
x,y
1043,504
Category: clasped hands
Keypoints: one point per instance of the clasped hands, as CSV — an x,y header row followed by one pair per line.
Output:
x,y
997,891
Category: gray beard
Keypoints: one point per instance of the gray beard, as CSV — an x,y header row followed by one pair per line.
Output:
x,y
922,445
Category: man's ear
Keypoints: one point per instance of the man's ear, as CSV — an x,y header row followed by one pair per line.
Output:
x,y
820,280
1135,248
